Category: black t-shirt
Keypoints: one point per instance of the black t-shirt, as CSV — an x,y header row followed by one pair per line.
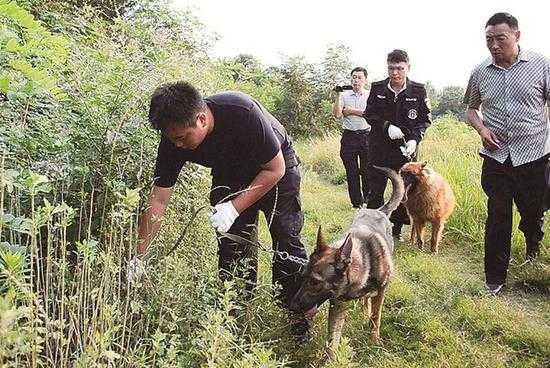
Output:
x,y
244,137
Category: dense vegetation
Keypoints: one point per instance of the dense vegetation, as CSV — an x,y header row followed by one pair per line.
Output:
x,y
76,155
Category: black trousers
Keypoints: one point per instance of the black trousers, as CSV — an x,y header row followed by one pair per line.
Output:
x,y
284,211
392,158
354,147
504,184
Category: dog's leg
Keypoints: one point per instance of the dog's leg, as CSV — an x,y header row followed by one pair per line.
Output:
x,y
421,229
413,233
336,318
377,302
367,308
419,226
437,233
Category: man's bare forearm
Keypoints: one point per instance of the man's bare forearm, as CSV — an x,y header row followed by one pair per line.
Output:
x,y
474,119
149,226
349,111
151,217
266,179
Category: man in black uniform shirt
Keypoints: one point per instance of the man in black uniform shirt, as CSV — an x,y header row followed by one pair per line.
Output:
x,y
399,113
246,147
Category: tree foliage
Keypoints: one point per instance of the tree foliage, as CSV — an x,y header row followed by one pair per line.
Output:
x,y
449,101
29,53
76,160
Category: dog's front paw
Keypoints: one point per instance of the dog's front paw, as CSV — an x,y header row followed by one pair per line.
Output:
x,y
326,357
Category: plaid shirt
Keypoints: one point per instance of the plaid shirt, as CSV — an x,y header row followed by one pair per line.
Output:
x,y
514,106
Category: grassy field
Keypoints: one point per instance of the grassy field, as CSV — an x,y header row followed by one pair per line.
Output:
x,y
436,313
84,313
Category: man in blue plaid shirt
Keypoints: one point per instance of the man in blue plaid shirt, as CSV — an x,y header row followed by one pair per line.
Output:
x,y
507,98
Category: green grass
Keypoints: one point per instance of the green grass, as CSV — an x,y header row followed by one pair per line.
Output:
x,y
436,312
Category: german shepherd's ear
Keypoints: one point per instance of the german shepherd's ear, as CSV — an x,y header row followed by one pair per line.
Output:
x,y
345,251
321,243
423,164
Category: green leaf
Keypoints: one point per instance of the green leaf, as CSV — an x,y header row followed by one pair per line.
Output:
x,y
13,247
28,87
12,45
5,83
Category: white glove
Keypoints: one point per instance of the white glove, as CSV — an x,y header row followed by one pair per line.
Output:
x,y
223,216
136,269
410,147
394,132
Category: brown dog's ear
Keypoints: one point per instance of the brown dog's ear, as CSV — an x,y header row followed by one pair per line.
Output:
x,y
423,164
321,243
345,251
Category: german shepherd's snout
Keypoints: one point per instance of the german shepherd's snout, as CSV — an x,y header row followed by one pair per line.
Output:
x,y
358,265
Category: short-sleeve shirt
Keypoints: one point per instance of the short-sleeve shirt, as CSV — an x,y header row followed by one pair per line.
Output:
x,y
514,106
245,136
349,98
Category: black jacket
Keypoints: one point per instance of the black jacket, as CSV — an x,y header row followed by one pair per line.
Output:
x,y
410,111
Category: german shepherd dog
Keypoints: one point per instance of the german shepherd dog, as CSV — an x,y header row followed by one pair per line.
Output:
x,y
358,265
428,198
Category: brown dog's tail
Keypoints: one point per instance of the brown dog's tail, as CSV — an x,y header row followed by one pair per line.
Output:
x,y
398,190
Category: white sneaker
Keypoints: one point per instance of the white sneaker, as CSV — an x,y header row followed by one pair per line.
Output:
x,y
493,289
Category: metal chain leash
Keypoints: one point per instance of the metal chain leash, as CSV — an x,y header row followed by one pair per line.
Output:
x,y
283,255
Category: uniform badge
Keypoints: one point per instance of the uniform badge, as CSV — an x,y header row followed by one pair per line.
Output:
x,y
412,114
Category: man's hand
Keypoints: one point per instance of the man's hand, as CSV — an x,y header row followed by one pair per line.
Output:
x,y
223,216
149,223
410,147
136,269
395,132
489,139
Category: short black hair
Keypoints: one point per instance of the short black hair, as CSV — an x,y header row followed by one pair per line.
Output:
x,y
398,56
500,18
175,103
359,69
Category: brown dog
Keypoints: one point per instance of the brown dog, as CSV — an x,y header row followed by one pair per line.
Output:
x,y
357,265
428,198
